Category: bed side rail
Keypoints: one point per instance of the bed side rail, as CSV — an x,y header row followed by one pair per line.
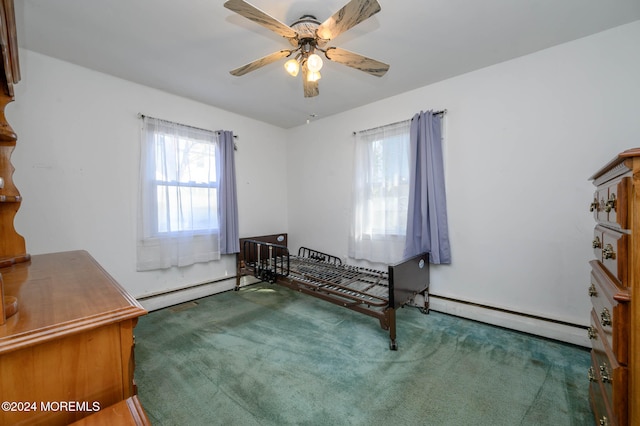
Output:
x,y
319,256
267,261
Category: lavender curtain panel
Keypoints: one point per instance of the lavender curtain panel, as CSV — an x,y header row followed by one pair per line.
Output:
x,y
228,201
427,229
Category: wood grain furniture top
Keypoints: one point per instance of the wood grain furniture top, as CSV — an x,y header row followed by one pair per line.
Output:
x,y
61,294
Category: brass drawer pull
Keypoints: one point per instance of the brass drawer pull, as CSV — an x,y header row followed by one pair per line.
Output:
x,y
608,252
596,243
592,290
605,375
594,205
604,421
605,317
592,375
610,204
592,333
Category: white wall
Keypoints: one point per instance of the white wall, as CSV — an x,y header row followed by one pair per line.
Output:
x,y
521,140
76,163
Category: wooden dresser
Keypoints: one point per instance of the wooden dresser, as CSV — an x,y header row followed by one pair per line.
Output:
x,y
615,282
68,351
66,327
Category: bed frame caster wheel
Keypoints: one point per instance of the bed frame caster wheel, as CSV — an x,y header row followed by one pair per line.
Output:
x,y
236,289
393,346
424,310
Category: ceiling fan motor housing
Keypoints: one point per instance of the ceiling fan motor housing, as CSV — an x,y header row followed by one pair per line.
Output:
x,y
306,28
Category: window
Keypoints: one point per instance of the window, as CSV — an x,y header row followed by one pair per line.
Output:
x,y
180,216
185,184
380,193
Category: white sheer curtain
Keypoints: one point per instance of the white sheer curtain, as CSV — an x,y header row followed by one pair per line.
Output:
x,y
380,193
178,221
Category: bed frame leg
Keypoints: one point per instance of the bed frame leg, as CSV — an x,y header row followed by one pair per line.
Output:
x,y
391,316
238,272
425,309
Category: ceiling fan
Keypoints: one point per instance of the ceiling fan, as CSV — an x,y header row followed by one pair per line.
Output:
x,y
307,36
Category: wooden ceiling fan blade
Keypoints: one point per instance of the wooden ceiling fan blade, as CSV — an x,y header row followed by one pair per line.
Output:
x,y
256,15
357,61
258,63
348,17
310,87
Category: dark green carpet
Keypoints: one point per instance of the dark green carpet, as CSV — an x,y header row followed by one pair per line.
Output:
x,y
269,356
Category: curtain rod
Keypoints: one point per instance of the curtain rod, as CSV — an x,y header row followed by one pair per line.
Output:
x,y
441,112
140,115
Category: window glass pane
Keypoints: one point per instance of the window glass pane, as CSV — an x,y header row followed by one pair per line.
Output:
x,y
389,186
184,160
187,208
186,187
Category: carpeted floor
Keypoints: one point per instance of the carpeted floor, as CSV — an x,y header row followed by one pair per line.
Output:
x,y
269,356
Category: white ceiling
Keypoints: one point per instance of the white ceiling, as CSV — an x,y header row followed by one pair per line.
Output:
x,y
188,47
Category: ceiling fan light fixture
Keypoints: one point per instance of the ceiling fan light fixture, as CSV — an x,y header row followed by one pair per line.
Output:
x,y
314,63
292,66
313,76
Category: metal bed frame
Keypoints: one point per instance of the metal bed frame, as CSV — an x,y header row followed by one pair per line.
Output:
x,y
372,292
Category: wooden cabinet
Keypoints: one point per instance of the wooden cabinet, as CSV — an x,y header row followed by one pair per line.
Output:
x,y
12,244
615,282
68,351
66,327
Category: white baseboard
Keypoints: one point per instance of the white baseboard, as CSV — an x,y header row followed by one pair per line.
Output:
x,y
537,326
575,335
162,300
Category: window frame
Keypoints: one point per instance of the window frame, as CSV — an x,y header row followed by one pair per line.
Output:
x,y
156,183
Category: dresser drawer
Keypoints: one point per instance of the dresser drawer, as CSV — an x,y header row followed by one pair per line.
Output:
x,y
596,332
597,207
611,248
610,314
616,203
613,378
599,402
610,201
